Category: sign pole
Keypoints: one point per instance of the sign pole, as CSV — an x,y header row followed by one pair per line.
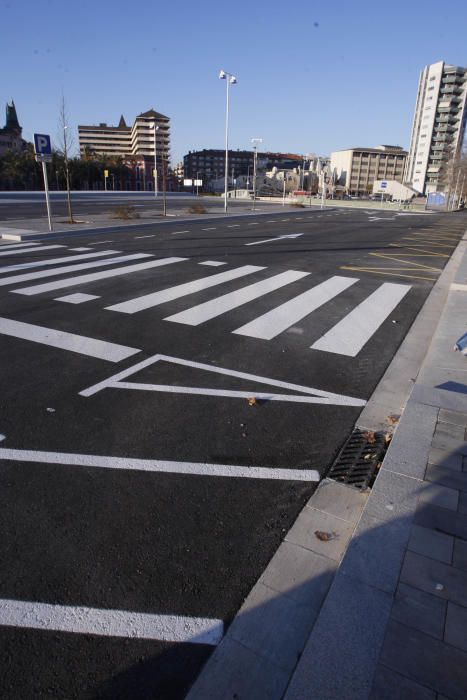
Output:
x,y
46,186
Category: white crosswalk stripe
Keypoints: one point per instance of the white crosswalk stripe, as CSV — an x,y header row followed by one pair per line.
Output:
x,y
215,307
94,277
27,277
350,335
30,250
149,300
270,324
55,261
9,246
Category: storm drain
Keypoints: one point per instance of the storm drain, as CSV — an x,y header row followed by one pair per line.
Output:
x,y
358,461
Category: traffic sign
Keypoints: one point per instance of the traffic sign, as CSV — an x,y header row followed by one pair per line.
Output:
x,y
42,145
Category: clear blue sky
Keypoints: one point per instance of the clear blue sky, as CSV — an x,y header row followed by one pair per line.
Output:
x,y
312,76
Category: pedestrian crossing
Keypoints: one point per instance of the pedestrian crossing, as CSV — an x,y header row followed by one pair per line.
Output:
x,y
347,337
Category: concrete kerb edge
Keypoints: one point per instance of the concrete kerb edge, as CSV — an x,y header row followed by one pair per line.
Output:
x,y
215,680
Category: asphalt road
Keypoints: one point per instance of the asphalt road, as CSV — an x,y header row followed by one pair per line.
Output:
x,y
128,494
21,205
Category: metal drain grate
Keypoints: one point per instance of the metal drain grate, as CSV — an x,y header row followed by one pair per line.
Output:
x,y
358,460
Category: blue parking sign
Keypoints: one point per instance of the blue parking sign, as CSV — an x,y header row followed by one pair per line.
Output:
x,y
42,144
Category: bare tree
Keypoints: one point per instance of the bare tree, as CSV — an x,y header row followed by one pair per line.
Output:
x,y
65,140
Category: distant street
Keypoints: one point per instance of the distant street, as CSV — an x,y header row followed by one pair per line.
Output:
x,y
170,399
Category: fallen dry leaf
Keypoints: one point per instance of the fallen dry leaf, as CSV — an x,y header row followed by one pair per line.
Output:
x,y
392,419
369,436
387,437
251,401
326,536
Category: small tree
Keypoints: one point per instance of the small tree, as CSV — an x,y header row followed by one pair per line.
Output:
x,y
66,143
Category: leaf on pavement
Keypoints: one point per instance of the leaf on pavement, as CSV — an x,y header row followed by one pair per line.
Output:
x,y
326,536
369,436
252,401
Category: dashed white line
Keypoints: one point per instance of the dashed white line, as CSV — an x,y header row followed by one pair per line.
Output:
x,y
233,226
175,232
212,228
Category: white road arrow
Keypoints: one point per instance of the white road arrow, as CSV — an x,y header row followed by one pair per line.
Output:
x,y
277,238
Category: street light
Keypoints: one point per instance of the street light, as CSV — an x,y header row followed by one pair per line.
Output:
x,y
156,129
230,80
255,143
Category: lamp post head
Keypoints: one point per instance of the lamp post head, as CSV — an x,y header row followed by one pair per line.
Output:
x,y
232,80
222,75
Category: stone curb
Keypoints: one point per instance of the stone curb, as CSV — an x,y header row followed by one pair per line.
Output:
x,y
299,610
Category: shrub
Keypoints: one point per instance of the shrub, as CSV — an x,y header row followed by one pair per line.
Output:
x,y
125,212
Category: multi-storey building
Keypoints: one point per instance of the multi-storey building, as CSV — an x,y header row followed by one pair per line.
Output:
x,y
356,169
10,135
209,164
438,127
123,140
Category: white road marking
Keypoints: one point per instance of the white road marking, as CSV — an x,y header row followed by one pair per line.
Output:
x,y
31,250
77,298
282,317
174,232
317,395
212,228
80,249
457,287
9,246
94,277
215,307
157,465
350,335
110,623
28,276
92,347
149,300
276,238
255,223
212,263
149,236
56,261
101,243
233,226
2,437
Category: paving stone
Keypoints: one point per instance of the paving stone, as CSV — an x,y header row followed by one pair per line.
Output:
x,y
432,544
459,558
428,661
447,477
450,430
435,577
303,575
445,521
438,495
456,627
462,507
389,685
311,521
339,500
273,626
376,551
420,610
445,458
408,452
340,657
453,417
393,495
236,672
446,442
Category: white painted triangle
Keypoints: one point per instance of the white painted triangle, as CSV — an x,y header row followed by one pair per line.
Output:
x,y
302,394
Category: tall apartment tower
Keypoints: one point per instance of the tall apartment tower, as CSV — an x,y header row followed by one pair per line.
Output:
x,y
438,128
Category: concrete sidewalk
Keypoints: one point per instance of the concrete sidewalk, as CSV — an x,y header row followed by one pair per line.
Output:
x,y
379,610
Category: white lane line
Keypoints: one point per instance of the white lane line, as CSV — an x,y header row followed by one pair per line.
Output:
x,y
80,249
56,261
276,238
28,276
215,307
174,232
150,236
212,263
271,221
255,223
9,246
92,347
31,250
233,226
350,335
94,277
101,243
212,228
149,300
318,396
282,317
77,298
156,465
110,623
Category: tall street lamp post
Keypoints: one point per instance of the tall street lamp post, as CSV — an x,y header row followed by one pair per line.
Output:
x,y
156,129
230,80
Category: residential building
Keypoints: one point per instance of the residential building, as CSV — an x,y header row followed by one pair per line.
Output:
x,y
438,128
209,164
10,135
356,169
123,140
